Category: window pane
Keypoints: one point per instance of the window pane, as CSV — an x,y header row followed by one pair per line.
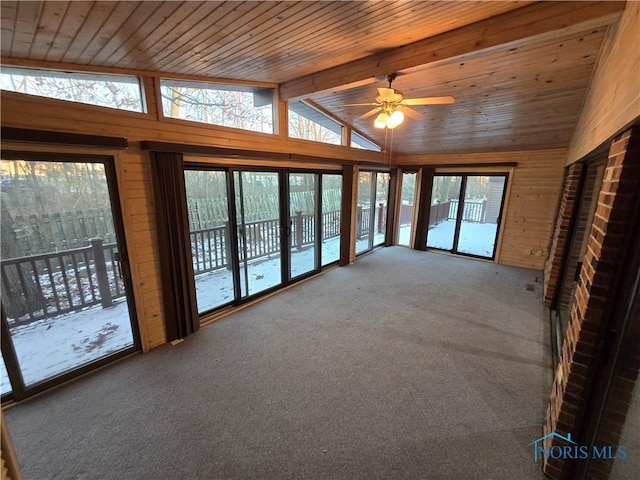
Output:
x,y
444,211
358,141
302,201
62,288
380,218
5,384
363,218
208,209
309,124
331,203
113,91
406,208
236,106
259,230
481,213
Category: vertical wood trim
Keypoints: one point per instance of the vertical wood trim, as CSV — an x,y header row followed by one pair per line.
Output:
x,y
424,204
8,454
398,207
138,295
503,216
346,218
152,96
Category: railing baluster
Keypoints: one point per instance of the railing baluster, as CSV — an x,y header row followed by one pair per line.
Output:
x,y
87,267
78,279
52,283
36,277
63,272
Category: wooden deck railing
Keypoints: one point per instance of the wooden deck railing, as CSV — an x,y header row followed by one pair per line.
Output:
x,y
49,284
211,250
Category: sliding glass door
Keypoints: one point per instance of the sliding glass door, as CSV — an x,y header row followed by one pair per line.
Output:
x,y
481,215
373,195
65,275
211,241
465,213
259,230
406,208
303,223
272,233
331,200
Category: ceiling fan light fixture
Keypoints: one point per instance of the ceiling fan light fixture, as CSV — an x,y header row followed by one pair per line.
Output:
x,y
396,118
381,120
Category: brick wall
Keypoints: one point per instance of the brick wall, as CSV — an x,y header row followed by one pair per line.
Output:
x,y
561,233
603,261
577,249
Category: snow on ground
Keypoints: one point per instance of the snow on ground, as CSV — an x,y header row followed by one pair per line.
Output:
x,y
216,288
475,238
363,243
52,346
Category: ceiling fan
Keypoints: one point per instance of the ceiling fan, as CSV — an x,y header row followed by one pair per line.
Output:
x,y
391,106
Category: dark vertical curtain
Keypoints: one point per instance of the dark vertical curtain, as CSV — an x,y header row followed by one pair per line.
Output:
x,y
178,284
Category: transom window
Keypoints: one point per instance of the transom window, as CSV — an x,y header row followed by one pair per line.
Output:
x,y
122,92
358,141
235,106
307,123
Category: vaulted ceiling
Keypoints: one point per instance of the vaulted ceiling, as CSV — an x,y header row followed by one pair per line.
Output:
x,y
518,70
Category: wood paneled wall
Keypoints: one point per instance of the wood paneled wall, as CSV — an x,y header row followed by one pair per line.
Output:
x,y
613,99
532,198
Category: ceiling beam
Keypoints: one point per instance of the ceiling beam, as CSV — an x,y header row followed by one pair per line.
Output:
x,y
500,31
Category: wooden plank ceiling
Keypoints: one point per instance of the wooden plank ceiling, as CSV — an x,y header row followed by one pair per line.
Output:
x,y
518,70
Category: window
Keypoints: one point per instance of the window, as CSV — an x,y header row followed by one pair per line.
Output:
x,y
307,123
113,91
235,106
358,141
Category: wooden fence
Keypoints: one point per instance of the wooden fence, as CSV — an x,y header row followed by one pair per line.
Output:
x,y
47,232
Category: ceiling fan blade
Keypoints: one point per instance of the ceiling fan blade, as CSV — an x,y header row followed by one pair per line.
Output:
x,y
370,113
429,101
354,105
410,112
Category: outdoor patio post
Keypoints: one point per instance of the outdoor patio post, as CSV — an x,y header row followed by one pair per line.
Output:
x,y
299,230
380,216
101,272
227,244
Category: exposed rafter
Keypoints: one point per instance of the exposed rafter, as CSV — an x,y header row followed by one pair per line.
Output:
x,y
503,31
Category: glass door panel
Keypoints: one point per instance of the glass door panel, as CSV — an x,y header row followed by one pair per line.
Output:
x,y
380,211
259,230
481,215
331,205
208,207
406,208
64,297
5,384
444,211
364,213
302,220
